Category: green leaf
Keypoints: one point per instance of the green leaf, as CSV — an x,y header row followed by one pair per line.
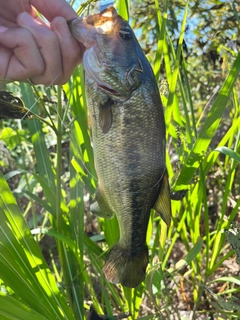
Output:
x,y
23,268
235,280
208,129
229,152
232,304
48,191
93,247
188,258
12,309
53,233
123,9
44,165
10,137
172,105
75,92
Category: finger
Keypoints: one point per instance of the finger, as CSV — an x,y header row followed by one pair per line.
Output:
x,y
49,48
71,50
10,9
19,56
3,28
54,8
7,23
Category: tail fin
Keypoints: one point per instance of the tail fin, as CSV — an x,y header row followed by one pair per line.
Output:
x,y
125,267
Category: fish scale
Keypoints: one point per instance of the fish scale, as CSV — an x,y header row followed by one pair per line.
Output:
x,y
128,134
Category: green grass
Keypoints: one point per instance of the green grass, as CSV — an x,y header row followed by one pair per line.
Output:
x,y
57,184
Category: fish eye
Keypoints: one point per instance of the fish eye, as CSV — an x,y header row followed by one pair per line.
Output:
x,y
126,33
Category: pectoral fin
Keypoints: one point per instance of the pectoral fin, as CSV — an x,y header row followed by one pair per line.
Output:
x,y
163,204
105,115
100,206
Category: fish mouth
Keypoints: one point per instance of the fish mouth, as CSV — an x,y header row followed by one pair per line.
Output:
x,y
94,69
84,29
104,21
83,33
109,90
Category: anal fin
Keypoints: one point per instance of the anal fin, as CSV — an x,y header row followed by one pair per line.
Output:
x,y
100,206
163,203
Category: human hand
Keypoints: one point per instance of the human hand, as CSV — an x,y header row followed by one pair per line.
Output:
x,y
30,48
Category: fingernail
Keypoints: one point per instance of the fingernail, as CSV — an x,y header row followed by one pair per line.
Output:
x,y
3,29
27,20
59,25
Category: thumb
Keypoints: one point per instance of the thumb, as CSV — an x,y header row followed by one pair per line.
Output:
x,y
3,29
25,20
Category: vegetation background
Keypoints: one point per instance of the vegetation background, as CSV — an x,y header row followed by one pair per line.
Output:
x,y
52,249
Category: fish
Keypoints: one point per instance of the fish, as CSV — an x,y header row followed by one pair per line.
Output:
x,y
128,137
12,107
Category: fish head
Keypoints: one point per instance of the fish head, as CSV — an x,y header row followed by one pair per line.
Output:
x,y
113,58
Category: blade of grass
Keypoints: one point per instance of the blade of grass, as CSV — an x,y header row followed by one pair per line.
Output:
x,y
13,309
75,92
162,19
172,105
44,165
228,152
22,265
123,8
188,258
208,128
70,263
219,238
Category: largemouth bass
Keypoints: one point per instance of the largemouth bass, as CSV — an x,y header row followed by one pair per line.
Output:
x,y
128,134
